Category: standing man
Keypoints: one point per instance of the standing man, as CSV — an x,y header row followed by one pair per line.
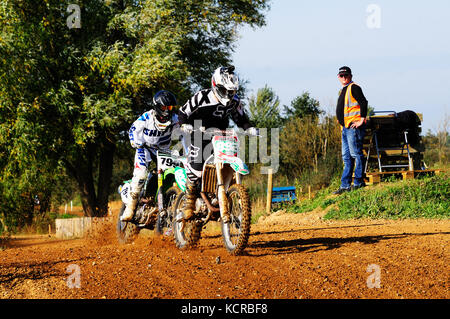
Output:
x,y
351,112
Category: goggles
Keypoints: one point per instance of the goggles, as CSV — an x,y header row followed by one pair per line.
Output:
x,y
166,108
226,93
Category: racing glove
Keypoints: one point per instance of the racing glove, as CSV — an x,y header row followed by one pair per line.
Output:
x,y
187,128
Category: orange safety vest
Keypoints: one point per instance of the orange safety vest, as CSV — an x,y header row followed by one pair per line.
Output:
x,y
352,110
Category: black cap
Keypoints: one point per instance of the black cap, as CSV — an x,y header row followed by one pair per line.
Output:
x,y
345,70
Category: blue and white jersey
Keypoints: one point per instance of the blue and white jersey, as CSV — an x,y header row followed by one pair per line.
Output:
x,y
143,132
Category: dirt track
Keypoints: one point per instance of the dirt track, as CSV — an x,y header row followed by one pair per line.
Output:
x,y
289,257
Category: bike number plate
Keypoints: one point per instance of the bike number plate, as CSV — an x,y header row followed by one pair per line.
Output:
x,y
225,145
166,162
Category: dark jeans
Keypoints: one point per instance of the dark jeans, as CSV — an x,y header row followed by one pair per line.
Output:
x,y
352,155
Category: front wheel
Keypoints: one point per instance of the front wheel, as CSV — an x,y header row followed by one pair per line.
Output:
x,y
126,231
186,234
164,222
236,232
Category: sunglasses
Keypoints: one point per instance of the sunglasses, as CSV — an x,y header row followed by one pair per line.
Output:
x,y
167,108
344,75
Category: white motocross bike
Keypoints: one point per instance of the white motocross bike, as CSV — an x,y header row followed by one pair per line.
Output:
x,y
222,197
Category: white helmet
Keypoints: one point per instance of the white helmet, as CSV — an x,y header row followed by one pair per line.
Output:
x,y
225,84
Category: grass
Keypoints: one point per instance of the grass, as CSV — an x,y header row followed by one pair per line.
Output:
x,y
427,197
321,198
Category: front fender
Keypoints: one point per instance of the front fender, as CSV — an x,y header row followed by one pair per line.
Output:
x,y
180,178
237,164
169,171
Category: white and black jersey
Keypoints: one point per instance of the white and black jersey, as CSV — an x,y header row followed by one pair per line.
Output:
x,y
206,107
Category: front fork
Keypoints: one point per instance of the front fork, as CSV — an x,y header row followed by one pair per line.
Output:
x,y
223,200
160,191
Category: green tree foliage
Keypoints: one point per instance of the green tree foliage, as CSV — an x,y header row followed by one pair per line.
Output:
x,y
437,144
310,146
68,94
437,148
264,108
302,106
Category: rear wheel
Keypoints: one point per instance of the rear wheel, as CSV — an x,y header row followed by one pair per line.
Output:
x,y
164,222
186,233
126,231
236,232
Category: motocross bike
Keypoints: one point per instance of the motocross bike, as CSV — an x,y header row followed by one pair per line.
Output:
x,y
222,197
155,199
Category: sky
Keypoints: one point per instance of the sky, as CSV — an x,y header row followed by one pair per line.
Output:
x,y
399,52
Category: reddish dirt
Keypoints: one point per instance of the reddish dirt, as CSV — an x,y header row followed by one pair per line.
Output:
x,y
289,257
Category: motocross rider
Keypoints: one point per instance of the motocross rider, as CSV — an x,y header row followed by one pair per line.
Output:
x,y
152,131
213,107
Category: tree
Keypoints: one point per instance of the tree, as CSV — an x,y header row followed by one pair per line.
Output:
x,y
304,142
68,94
437,144
264,108
302,106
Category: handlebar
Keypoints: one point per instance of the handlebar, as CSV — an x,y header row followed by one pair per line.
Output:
x,y
214,131
156,150
171,154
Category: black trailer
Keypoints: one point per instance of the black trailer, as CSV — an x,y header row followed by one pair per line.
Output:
x,y
393,143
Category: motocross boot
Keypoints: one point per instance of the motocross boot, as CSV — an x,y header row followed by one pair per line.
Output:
x,y
130,208
191,196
